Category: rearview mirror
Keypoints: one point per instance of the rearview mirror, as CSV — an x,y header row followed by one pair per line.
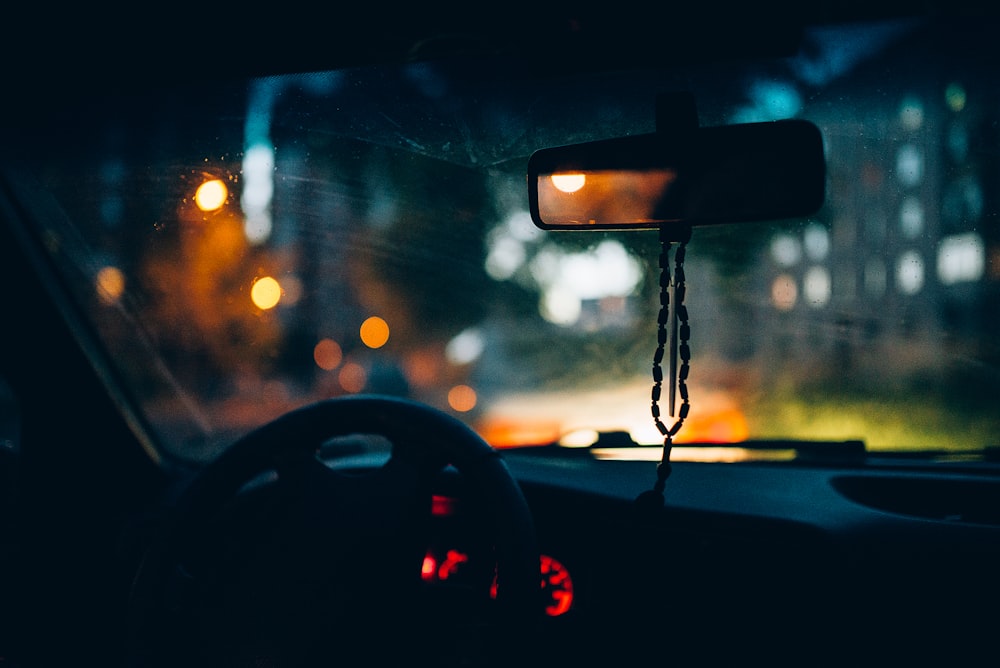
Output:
x,y
725,174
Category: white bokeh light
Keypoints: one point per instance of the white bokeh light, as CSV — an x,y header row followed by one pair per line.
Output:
x,y
817,286
816,240
567,279
465,347
961,258
910,273
258,191
786,250
909,165
561,306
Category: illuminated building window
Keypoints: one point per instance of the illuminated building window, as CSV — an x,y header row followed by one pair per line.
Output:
x,y
954,96
961,258
909,165
258,190
784,293
816,241
786,250
911,113
910,273
816,287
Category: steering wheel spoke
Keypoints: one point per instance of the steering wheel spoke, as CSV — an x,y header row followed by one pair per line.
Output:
x,y
381,501
372,524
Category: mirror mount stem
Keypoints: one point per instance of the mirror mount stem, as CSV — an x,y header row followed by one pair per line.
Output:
x,y
676,115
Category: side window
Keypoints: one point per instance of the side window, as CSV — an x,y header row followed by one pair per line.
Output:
x,y
10,446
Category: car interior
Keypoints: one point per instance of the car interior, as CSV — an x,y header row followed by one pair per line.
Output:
x,y
762,429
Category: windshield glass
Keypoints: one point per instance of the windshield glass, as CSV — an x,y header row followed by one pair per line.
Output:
x,y
246,248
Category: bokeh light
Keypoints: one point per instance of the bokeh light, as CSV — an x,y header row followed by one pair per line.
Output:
x,y
954,95
462,398
265,293
568,183
211,195
784,293
374,332
110,284
910,273
466,347
327,354
291,289
352,377
422,368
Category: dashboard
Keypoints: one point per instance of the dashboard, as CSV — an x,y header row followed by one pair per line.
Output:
x,y
743,558
775,558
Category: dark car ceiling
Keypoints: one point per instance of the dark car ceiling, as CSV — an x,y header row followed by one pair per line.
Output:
x,y
118,46
53,54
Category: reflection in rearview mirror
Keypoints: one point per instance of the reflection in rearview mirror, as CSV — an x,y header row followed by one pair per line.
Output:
x,y
726,174
585,198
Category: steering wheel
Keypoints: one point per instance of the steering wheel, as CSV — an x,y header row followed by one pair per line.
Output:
x,y
338,566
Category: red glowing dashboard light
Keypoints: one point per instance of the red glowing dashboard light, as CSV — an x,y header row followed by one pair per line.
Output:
x,y
451,563
428,568
443,506
556,583
434,569
557,586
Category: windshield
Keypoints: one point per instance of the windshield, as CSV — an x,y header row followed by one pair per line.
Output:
x,y
249,247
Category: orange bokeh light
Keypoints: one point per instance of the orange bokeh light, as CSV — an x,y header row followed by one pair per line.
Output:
x,y
568,183
211,195
110,284
352,377
265,293
327,354
462,398
423,368
374,332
